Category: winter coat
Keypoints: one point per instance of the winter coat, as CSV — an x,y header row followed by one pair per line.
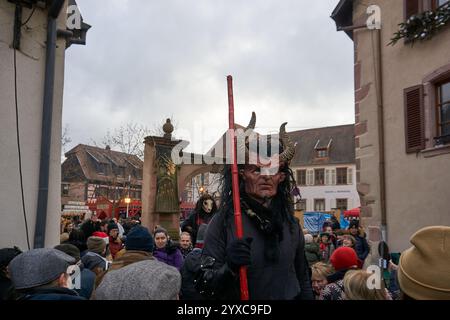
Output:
x,y
7,290
185,252
286,279
194,220
114,246
312,253
54,294
334,290
326,250
361,247
129,257
170,255
87,283
189,270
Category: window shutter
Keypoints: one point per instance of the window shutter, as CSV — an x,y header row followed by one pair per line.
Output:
x,y
349,176
327,177
414,119
333,176
310,177
411,7
332,203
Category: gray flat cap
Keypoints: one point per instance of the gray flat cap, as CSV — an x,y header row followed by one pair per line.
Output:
x,y
37,267
144,280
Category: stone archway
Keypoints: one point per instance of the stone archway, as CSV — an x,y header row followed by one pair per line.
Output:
x,y
187,172
164,182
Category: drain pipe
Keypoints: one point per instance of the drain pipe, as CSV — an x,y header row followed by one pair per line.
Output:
x,y
381,138
47,115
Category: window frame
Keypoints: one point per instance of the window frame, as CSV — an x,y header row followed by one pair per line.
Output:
x,y
301,173
316,201
322,153
422,6
435,4
65,189
438,132
430,84
344,175
346,203
301,203
316,180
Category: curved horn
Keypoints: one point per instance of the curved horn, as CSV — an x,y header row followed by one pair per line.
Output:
x,y
252,122
288,145
242,146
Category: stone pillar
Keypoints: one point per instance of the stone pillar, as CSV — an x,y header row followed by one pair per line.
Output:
x,y
160,201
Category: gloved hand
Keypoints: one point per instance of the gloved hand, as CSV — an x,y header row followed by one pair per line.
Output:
x,y
238,253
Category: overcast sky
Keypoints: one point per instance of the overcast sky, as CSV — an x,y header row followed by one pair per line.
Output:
x,y
147,60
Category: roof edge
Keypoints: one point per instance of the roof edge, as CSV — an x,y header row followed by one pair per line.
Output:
x,y
343,15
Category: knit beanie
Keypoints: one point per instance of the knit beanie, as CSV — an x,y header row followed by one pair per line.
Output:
x,y
102,235
424,269
96,245
112,226
70,249
140,239
344,258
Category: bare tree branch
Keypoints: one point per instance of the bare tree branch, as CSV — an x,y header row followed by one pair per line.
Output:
x,y
65,138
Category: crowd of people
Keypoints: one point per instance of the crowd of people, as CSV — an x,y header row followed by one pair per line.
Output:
x,y
120,260
144,265
129,262
116,259
339,270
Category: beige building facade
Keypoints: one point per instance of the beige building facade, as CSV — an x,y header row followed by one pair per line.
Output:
x,y
28,64
402,152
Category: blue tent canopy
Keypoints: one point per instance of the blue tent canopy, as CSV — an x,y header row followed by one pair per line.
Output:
x,y
313,221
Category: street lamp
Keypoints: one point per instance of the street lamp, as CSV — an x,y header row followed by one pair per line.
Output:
x,y
127,201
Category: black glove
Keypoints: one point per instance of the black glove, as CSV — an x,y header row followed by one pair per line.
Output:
x,y
238,253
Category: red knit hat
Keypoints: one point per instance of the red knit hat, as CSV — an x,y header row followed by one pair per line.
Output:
x,y
344,258
100,234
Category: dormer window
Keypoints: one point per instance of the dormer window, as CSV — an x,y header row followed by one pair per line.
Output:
x,y
322,148
100,167
322,153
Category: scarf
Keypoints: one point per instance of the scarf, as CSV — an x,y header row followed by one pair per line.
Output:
x,y
270,224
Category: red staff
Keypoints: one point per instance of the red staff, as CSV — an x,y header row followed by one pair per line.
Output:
x,y
235,186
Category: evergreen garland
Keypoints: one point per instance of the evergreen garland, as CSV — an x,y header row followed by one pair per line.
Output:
x,y
423,26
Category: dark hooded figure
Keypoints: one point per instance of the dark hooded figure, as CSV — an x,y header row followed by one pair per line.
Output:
x,y
7,290
202,214
273,247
